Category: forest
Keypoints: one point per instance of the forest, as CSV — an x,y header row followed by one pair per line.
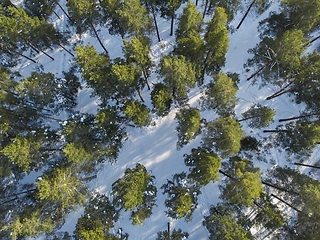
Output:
x,y
44,133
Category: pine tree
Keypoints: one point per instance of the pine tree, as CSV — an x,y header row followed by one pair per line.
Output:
x,y
153,7
297,136
137,113
40,9
222,224
182,197
97,220
216,43
231,7
134,19
96,71
203,165
243,183
135,192
175,235
138,52
259,116
224,135
161,99
188,125
178,76
189,41
220,95
84,16
168,10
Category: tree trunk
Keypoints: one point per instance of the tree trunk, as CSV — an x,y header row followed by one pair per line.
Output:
x,y
172,19
277,95
17,194
95,32
253,75
63,11
227,175
63,47
56,14
37,48
245,15
274,131
155,23
20,54
205,9
311,41
13,5
145,77
140,94
294,118
196,2
278,188
305,165
168,230
244,119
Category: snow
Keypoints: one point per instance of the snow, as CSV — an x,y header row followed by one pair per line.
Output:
x,y
155,146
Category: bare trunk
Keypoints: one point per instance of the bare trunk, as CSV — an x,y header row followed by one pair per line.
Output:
x,y
273,131
281,200
168,230
277,95
20,54
38,48
56,14
63,11
245,15
172,19
196,2
95,32
17,194
253,75
294,118
140,94
227,175
278,188
145,77
305,165
155,23
63,48
205,9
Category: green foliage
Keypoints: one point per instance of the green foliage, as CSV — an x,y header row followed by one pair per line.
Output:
x,y
188,125
168,8
224,135
298,136
174,235
178,76
243,184
135,191
220,95
231,7
250,144
161,99
182,197
216,43
62,187
97,220
204,165
137,113
222,225
39,8
259,116
134,18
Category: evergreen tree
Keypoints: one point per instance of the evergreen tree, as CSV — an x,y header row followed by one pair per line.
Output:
x,y
182,197
220,95
161,99
41,9
168,10
135,192
97,220
297,136
224,135
175,235
178,76
152,7
216,43
84,16
134,19
231,7
259,116
203,165
96,71
243,184
138,52
188,125
189,41
137,113
222,224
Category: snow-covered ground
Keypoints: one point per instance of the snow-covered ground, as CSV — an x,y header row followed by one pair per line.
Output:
x,y
155,146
